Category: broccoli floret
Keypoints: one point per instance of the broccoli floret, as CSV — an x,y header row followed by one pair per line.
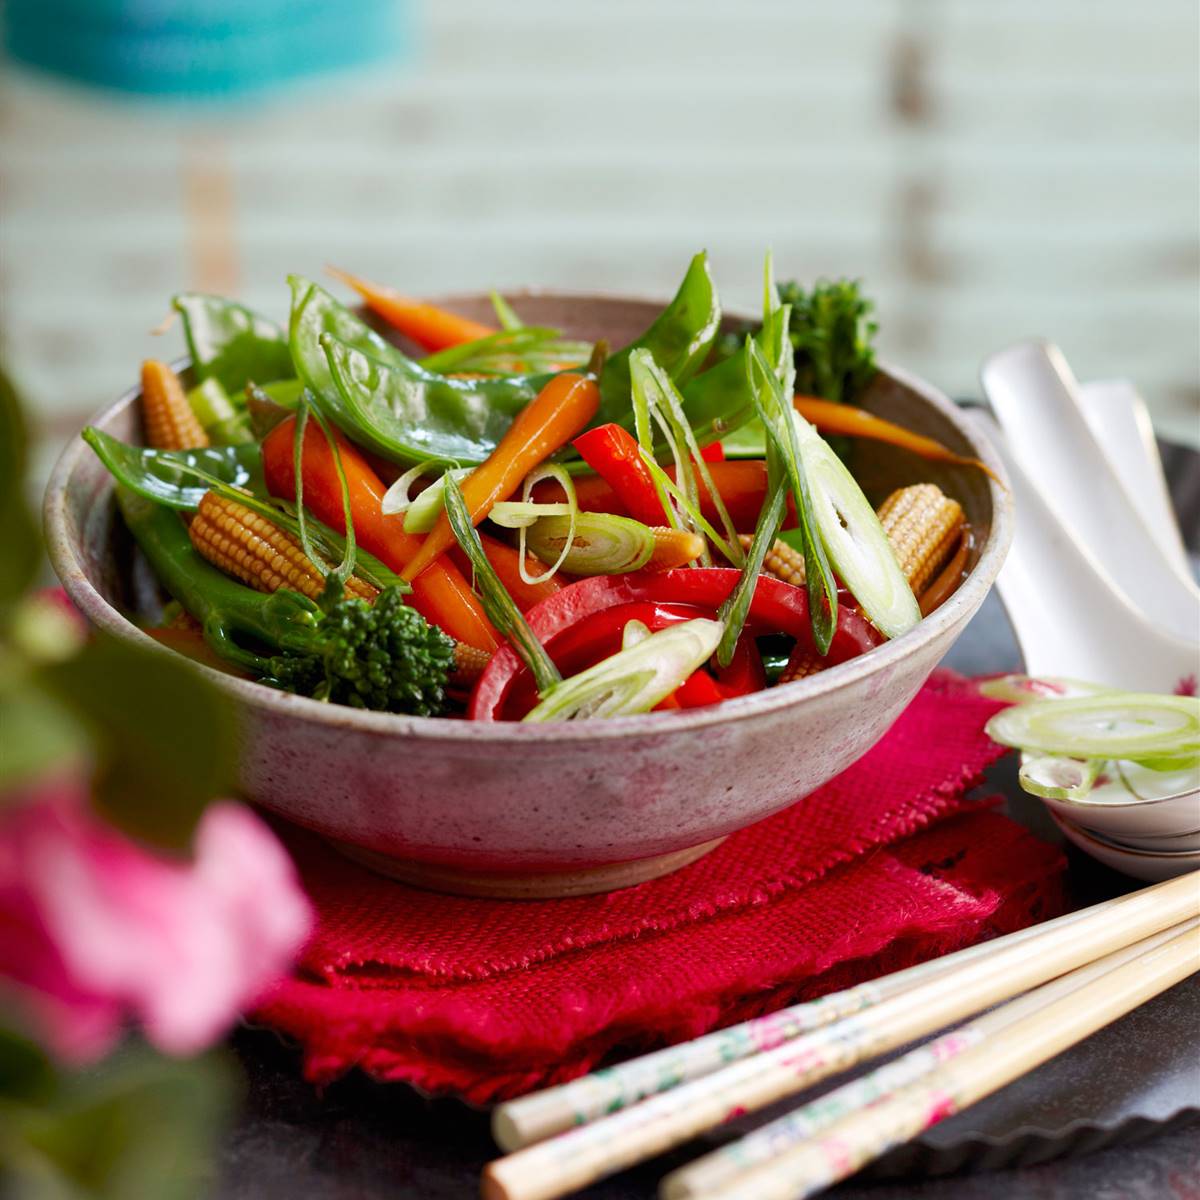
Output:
x,y
832,331
384,656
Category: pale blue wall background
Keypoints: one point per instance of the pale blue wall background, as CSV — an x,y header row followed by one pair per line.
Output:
x,y
992,170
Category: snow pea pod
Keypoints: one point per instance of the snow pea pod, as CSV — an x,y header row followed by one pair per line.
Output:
x,y
231,343
157,474
384,400
680,339
719,400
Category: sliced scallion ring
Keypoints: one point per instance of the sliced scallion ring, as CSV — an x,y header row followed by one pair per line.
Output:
x,y
1022,689
602,544
854,539
558,473
517,514
1057,777
634,679
1107,725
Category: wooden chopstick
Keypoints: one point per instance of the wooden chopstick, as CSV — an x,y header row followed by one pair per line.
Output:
x,y
1008,1054
725,1166
534,1118
577,1158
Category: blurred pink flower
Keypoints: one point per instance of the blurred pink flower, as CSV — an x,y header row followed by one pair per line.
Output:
x,y
95,929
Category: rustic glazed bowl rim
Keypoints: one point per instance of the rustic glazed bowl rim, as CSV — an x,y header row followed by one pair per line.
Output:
x,y
65,558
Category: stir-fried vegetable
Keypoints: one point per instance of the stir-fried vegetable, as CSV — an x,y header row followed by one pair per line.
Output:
x,y
634,679
441,595
559,411
429,326
542,519
384,656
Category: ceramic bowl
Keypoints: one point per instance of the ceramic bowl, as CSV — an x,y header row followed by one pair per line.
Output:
x,y
504,809
1151,865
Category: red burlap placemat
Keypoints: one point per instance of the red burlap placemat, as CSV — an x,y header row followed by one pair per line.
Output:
x,y
885,866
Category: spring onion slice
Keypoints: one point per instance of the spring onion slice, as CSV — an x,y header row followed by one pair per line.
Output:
x,y
634,632
423,510
518,514
854,538
505,313
335,580
1132,725
665,398
634,679
396,499
1021,689
735,609
602,544
1057,777
497,603
548,471
774,411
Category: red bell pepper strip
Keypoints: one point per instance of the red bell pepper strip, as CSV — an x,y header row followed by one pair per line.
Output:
x,y
614,454
742,483
441,595
714,452
776,607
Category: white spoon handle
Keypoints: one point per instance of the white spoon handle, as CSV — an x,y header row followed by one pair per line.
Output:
x,y
1032,392
1120,421
1068,617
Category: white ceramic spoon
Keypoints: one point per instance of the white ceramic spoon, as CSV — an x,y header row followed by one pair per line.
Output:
x,y
1120,421
1070,620
1035,398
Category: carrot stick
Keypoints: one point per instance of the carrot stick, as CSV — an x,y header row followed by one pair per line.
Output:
x,y
547,423
845,419
442,595
506,563
429,326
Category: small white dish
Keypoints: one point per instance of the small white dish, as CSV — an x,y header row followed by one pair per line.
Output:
x,y
1153,866
1180,841
1172,808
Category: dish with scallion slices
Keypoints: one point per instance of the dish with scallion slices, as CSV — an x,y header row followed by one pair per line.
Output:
x,y
522,526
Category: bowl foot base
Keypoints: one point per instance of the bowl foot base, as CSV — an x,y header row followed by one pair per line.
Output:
x,y
525,885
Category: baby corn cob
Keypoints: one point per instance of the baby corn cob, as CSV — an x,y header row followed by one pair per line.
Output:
x,y
923,526
805,661
167,415
250,548
468,664
673,548
782,561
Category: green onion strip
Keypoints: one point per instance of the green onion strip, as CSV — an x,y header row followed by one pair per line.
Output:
x,y
497,603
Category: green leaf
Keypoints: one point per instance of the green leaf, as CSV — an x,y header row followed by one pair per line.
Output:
x,y
22,543
232,344
165,476
136,1125
679,339
163,737
832,331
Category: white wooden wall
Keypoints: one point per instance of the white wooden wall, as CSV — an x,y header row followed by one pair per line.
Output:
x,y
993,170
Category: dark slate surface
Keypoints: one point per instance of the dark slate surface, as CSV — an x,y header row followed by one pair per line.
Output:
x,y
361,1140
